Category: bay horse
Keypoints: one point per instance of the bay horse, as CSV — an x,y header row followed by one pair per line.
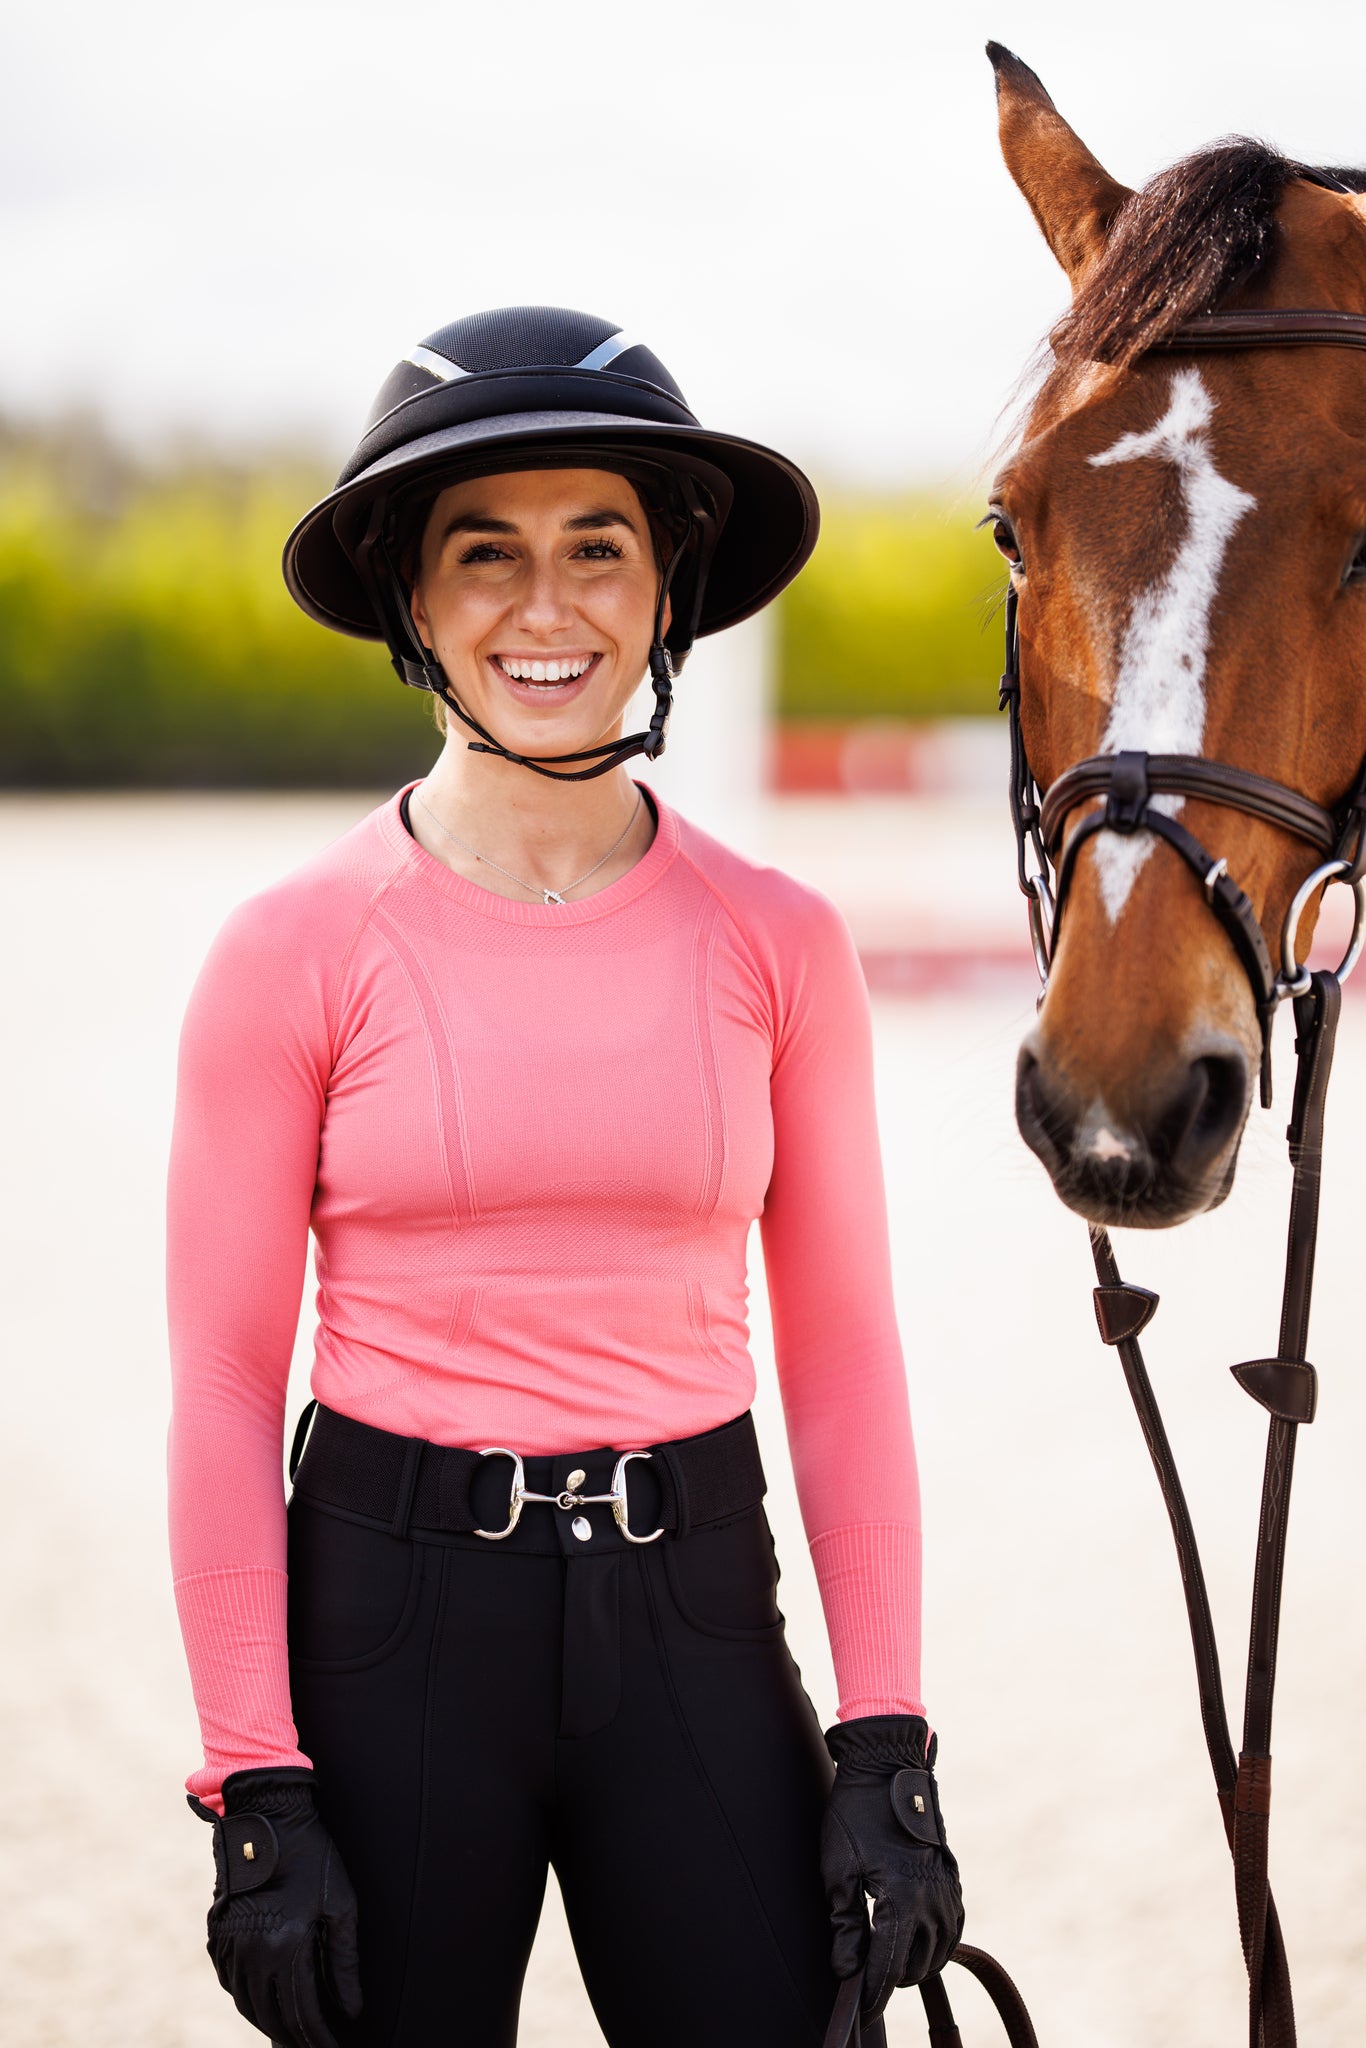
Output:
x,y
1186,534
1184,517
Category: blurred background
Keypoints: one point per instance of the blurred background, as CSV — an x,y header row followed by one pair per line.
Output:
x,y
218,231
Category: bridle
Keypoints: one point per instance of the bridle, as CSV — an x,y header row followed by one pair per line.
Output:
x,y
1130,781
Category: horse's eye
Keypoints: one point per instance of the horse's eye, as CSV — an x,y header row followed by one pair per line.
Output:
x,y
1355,571
1003,533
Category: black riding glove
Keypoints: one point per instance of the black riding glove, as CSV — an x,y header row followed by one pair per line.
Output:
x,y
883,1835
282,1926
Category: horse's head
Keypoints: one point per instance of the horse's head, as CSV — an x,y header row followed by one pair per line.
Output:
x,y
1187,540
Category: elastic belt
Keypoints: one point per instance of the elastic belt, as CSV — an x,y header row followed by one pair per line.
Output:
x,y
410,1486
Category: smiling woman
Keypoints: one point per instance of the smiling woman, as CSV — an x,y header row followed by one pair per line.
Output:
x,y
537,593
550,558
531,1054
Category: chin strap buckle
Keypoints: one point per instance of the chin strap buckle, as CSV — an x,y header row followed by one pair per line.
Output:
x,y
662,676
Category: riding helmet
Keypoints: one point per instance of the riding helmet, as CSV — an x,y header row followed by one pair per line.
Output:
x,y
539,387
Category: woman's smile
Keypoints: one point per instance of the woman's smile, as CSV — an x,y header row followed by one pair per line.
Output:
x,y
543,677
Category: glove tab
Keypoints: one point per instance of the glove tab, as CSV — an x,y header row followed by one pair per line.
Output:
x,y
251,1852
913,1803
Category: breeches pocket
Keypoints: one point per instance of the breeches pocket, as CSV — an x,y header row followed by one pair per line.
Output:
x,y
724,1581
353,1591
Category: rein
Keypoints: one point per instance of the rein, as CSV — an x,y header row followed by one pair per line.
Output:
x,y
1286,1386
846,2025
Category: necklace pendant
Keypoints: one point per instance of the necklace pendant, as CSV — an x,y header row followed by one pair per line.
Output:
x,y
552,896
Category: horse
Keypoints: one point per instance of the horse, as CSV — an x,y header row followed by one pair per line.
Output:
x,y
1184,519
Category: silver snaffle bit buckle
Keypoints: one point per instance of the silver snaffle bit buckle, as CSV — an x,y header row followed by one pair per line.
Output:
x,y
567,1501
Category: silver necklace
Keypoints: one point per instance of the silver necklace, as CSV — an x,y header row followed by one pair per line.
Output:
x,y
533,888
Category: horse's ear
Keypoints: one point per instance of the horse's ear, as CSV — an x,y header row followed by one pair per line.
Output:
x,y
1072,197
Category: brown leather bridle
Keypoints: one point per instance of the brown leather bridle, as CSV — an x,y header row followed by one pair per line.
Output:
x,y
1130,780
1287,1384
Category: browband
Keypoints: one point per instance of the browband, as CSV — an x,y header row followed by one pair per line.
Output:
x,y
1286,327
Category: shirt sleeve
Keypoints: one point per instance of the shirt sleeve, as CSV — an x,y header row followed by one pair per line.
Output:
x,y
251,1088
840,1367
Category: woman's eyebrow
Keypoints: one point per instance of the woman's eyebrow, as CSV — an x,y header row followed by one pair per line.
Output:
x,y
475,522
606,517
582,522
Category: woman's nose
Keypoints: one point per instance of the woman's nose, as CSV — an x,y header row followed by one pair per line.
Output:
x,y
543,599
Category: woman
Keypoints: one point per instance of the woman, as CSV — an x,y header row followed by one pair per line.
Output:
x,y
530,1053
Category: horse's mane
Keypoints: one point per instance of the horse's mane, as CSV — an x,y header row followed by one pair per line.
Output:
x,y
1180,246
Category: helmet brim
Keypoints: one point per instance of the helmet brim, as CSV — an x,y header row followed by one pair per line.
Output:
x,y
769,534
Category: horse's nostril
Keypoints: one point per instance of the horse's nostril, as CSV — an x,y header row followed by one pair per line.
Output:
x,y
1047,1121
1207,1114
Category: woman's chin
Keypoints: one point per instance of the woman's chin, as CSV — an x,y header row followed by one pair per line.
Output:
x,y
526,723
540,739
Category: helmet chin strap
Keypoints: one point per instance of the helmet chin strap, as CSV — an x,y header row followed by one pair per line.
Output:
x,y
421,669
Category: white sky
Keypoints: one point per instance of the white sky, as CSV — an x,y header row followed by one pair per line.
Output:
x,y
234,220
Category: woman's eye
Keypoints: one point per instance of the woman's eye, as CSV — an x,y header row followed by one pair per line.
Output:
x,y
482,551
1003,533
599,551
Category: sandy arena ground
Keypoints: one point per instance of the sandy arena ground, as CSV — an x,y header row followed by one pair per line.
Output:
x,y
1056,1665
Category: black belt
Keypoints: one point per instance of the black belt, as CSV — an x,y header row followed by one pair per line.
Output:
x,y
412,1487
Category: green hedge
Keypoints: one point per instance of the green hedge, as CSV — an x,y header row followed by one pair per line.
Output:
x,y
153,643
889,619
146,637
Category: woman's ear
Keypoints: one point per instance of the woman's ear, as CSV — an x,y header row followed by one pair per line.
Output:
x,y
418,610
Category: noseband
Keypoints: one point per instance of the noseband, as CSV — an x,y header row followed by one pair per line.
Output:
x,y
1131,781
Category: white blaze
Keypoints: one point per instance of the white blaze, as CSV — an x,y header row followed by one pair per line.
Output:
x,y
1158,702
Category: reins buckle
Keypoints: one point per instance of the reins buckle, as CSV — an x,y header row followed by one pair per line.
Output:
x,y
566,1500
1218,872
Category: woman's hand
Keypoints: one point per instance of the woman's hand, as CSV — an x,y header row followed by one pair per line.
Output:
x,y
282,1926
883,1836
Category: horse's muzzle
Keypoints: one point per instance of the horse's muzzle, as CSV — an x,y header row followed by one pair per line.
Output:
x,y
1149,1165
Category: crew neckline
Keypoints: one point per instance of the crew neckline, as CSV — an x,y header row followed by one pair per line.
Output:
x,y
657,857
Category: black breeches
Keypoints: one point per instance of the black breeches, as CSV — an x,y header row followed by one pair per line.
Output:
x,y
479,1711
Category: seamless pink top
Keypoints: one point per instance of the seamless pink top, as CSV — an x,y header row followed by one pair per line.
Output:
x,y
530,1141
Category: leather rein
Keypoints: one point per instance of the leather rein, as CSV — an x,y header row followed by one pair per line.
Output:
x,y
1132,784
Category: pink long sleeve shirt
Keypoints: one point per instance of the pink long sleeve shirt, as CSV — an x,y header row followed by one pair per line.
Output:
x,y
530,1141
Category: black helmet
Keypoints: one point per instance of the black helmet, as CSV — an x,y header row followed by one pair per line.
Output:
x,y
539,387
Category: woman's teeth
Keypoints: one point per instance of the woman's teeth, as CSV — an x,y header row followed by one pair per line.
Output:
x,y
544,671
